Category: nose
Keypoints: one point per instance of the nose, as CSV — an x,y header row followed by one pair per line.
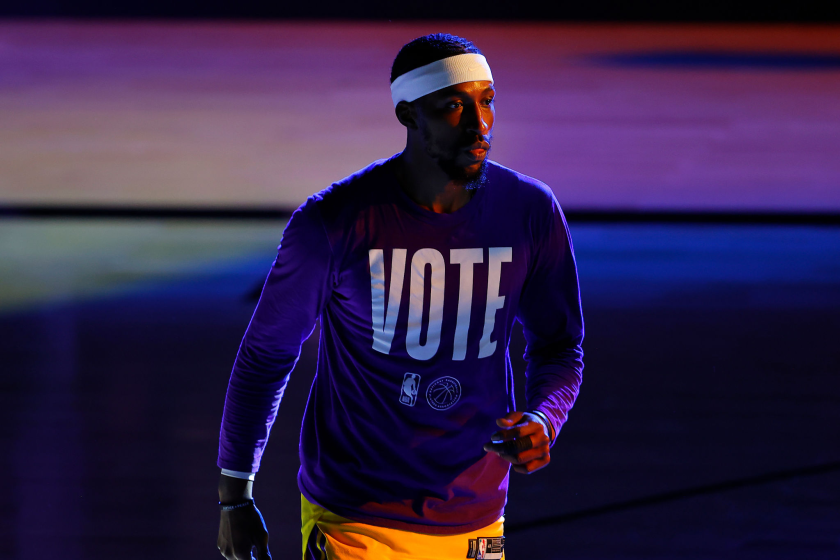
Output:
x,y
479,119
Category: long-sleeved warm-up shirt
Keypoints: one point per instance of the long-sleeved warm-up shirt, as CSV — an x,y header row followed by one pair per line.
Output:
x,y
416,312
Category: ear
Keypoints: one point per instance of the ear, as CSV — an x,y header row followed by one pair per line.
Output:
x,y
406,114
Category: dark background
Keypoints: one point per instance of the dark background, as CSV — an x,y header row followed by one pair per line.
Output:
x,y
707,425
721,11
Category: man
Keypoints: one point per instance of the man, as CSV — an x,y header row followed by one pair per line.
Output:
x,y
417,267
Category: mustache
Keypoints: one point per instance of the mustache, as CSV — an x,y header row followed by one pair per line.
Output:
x,y
476,142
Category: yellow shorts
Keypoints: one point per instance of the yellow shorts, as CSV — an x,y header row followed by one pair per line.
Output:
x,y
327,536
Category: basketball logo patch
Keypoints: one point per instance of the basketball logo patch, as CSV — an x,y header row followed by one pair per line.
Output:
x,y
443,393
410,387
486,548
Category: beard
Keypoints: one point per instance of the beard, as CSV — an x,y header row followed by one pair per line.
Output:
x,y
458,174
479,178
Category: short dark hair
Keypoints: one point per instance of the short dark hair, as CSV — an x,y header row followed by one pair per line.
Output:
x,y
427,49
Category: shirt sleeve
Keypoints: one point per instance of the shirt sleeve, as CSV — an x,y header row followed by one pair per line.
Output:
x,y
550,313
296,290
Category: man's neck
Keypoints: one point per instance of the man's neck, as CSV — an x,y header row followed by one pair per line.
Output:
x,y
429,186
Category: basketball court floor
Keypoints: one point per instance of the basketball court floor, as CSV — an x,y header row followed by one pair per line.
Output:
x,y
709,418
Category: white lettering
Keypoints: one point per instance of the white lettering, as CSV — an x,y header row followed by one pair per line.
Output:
x,y
422,258
384,316
466,258
498,255
384,323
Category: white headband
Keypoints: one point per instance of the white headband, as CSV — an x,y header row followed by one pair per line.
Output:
x,y
440,74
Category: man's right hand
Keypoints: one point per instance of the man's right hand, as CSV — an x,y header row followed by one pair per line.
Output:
x,y
241,530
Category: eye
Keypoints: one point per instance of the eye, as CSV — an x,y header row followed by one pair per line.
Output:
x,y
454,105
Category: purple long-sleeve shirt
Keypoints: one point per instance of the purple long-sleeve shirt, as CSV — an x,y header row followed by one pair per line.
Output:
x,y
416,312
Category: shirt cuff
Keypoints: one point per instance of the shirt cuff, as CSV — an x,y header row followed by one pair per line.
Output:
x,y
239,474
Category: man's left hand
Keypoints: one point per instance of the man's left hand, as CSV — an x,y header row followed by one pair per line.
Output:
x,y
522,441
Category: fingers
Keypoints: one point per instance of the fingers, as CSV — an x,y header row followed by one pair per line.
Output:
x,y
518,445
235,552
535,430
509,419
245,551
242,535
532,466
526,456
252,546
513,447
517,457
241,551
262,549
522,442
528,461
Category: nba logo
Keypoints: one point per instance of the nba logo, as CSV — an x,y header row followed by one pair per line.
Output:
x,y
481,554
486,548
410,387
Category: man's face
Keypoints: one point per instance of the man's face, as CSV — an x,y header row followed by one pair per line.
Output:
x,y
456,125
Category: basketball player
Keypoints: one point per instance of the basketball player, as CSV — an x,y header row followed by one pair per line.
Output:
x,y
417,267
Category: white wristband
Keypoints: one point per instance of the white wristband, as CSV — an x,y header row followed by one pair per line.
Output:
x,y
239,474
543,418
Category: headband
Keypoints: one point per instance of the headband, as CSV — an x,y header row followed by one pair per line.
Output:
x,y
438,75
